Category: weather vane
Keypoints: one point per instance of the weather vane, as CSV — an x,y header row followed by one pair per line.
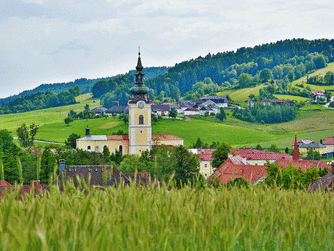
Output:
x,y
139,50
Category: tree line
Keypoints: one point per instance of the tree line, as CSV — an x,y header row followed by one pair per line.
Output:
x,y
266,114
39,101
328,79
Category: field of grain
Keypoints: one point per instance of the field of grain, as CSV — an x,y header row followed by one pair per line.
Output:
x,y
158,219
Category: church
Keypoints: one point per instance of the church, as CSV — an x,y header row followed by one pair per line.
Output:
x,y
139,138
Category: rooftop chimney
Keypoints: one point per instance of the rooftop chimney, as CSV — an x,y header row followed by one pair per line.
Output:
x,y
62,165
295,153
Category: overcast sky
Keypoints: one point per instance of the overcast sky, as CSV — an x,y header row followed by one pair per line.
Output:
x,y
51,41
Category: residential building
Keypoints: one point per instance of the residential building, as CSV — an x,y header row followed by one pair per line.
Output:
x,y
329,144
205,159
319,96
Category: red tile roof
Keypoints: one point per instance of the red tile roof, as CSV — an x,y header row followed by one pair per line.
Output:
x,y
4,183
117,137
328,141
228,171
253,154
165,137
303,164
303,141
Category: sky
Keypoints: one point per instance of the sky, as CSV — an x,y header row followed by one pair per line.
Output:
x,y
52,41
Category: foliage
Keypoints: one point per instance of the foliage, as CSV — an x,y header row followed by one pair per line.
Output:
x,y
6,140
220,154
292,177
273,148
72,140
39,101
266,114
48,165
238,182
27,136
258,147
312,154
221,115
328,79
173,113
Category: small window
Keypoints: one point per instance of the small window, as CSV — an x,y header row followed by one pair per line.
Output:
x,y
141,131
120,148
206,174
97,147
205,165
141,119
89,147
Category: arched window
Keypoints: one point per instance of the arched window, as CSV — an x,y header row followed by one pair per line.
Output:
x,y
89,148
120,148
141,119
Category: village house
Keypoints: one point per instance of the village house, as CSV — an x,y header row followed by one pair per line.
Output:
x,y
277,102
329,144
237,166
319,96
316,146
205,159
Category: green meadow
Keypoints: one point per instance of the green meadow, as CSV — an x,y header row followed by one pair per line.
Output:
x,y
321,72
160,219
46,116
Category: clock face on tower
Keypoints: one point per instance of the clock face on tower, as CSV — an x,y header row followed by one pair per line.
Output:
x,y
141,104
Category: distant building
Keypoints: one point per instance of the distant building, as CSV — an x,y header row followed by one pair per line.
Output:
x,y
319,96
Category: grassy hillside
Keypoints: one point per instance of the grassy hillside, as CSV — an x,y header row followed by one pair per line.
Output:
x,y
46,116
322,72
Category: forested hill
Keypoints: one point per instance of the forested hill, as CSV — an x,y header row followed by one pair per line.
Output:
x,y
85,84
296,57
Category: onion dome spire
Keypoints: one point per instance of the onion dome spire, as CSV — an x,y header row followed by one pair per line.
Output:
x,y
139,88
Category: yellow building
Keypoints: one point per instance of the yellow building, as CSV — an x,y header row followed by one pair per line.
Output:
x,y
315,146
140,136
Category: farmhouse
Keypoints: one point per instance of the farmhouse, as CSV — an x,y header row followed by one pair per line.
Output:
x,y
319,96
140,136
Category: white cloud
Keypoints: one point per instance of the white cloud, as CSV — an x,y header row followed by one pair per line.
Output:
x,y
60,40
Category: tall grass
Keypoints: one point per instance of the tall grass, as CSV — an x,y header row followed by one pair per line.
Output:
x,y
157,219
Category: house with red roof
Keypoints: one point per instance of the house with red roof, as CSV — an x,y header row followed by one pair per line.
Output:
x,y
229,171
259,157
329,144
205,159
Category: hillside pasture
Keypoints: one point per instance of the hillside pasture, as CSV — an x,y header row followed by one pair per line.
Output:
x,y
59,131
321,72
241,95
291,97
45,116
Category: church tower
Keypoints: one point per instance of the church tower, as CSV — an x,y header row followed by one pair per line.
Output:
x,y
140,130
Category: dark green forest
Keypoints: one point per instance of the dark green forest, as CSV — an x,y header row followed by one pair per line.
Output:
x,y
266,114
85,84
39,101
287,60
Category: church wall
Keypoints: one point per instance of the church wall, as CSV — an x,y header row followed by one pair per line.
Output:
x,y
168,142
111,144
